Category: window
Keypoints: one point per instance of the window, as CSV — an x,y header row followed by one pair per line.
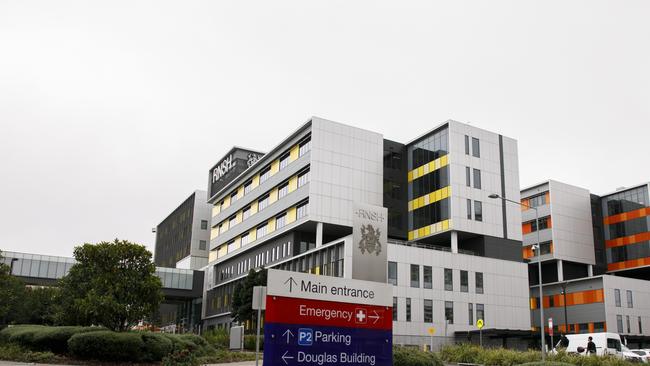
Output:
x,y
394,309
627,321
630,303
244,239
265,174
261,230
480,312
464,281
428,277
408,309
204,224
392,273
543,224
305,146
246,213
478,211
538,200
479,282
469,209
233,197
428,311
415,275
477,179
476,147
283,190
470,313
232,222
202,244
449,312
449,279
640,327
302,210
466,145
468,177
248,186
263,202
231,246
617,297
280,221
303,178
619,323
284,161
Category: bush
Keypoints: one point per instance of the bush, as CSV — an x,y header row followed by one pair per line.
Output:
x,y
180,358
219,338
403,356
43,338
546,363
156,347
223,356
107,346
249,342
14,352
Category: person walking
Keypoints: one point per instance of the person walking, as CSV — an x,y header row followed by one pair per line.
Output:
x,y
591,347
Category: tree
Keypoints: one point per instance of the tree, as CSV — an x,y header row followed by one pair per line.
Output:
x,y
242,304
112,284
12,290
37,306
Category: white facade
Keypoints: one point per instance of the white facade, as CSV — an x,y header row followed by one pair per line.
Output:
x,y
639,307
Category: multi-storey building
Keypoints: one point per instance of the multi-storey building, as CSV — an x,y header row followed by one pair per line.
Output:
x,y
593,253
453,254
182,237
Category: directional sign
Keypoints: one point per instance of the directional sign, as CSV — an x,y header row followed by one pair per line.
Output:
x,y
431,331
326,321
479,324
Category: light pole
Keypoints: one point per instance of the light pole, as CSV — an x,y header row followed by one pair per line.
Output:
x,y
538,248
566,322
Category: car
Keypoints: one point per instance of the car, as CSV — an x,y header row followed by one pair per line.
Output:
x,y
606,344
644,353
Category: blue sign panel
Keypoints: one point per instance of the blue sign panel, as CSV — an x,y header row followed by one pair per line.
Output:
x,y
296,345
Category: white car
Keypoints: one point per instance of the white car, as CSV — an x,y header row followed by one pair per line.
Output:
x,y
644,353
606,344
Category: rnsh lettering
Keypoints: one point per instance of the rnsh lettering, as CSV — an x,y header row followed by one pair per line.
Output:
x,y
317,288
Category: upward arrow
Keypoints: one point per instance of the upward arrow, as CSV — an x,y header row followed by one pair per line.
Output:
x,y
289,334
291,282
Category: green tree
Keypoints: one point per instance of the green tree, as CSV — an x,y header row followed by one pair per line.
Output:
x,y
12,290
37,306
242,304
112,284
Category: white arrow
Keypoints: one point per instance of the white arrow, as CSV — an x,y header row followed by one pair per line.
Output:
x,y
285,357
376,317
288,334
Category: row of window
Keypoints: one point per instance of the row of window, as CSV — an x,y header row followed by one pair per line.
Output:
x,y
536,201
429,148
478,210
428,183
531,226
629,227
617,298
427,311
265,173
628,252
326,262
477,177
259,260
630,200
619,324
431,213
476,147
427,272
262,202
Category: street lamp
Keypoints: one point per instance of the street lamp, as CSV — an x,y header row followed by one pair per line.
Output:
x,y
566,322
537,248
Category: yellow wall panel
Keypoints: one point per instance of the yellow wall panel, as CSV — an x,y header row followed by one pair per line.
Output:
x,y
444,160
214,233
445,225
291,215
293,153
222,251
237,243
271,225
215,210
410,235
240,192
293,183
275,166
212,256
239,216
255,181
273,195
252,235
226,202
253,207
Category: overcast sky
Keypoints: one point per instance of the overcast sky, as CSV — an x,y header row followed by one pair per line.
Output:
x,y
112,112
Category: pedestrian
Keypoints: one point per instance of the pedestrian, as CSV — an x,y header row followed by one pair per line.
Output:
x,y
591,347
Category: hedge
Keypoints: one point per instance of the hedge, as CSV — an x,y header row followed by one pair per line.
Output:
x,y
43,338
407,356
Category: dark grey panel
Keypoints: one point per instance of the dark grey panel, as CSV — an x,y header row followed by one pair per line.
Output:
x,y
503,188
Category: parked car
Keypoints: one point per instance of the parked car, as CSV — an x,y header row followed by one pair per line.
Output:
x,y
606,344
644,353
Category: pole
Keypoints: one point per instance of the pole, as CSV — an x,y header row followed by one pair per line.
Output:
x,y
480,337
257,339
566,321
541,293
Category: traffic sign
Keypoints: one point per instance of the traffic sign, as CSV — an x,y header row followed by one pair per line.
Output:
x,y
431,331
479,324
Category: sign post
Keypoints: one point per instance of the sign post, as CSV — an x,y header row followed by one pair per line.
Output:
x,y
479,325
259,304
550,330
431,330
327,321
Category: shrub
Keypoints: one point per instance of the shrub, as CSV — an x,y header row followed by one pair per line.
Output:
x,y
14,352
546,363
249,342
156,347
43,338
107,346
223,356
180,358
219,338
403,356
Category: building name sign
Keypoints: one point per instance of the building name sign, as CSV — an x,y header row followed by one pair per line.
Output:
x,y
222,168
370,215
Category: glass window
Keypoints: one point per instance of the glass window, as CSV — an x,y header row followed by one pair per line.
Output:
x,y
265,174
263,202
392,273
280,221
232,222
233,197
479,282
415,275
449,279
428,277
468,178
248,186
476,147
244,239
477,179
640,327
305,146
283,190
261,230
627,321
204,224
617,297
408,309
246,213
469,209
303,178
464,281
619,323
284,161
203,244
428,311
478,211
302,210
466,145
394,309
480,312
231,246
543,224
470,313
630,303
538,200
449,312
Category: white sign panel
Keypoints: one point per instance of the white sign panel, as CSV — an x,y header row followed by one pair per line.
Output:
x,y
370,241
326,288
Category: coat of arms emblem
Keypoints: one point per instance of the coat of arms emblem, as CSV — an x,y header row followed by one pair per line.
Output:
x,y
370,240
